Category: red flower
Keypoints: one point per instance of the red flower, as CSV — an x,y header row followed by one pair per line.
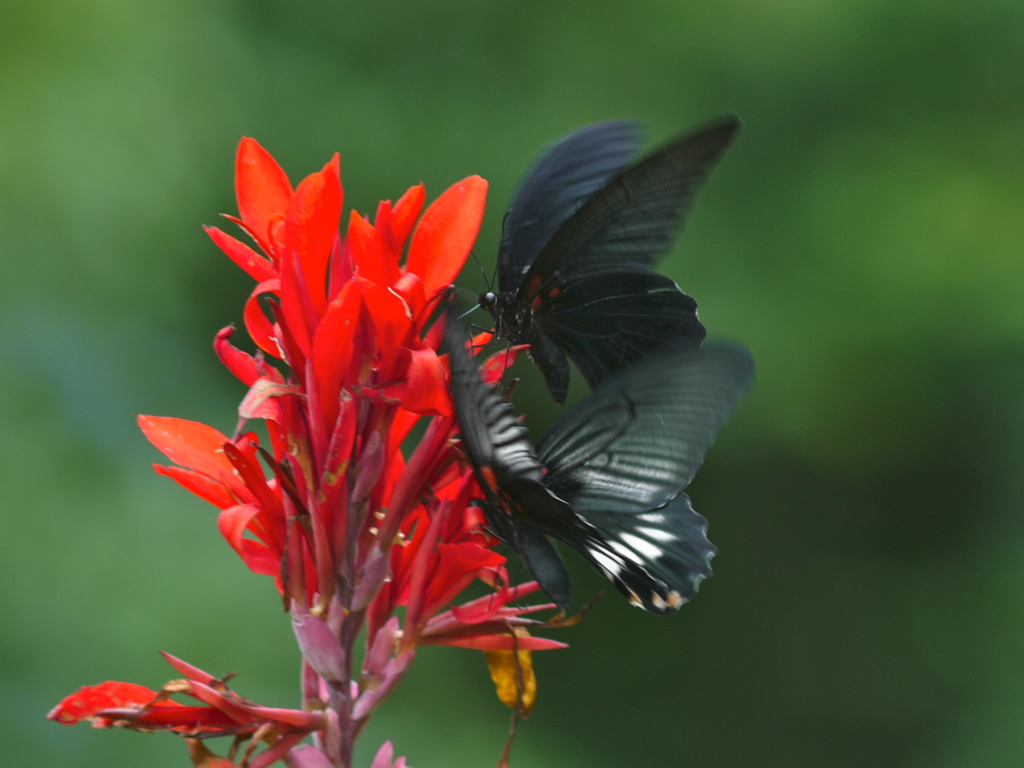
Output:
x,y
350,527
222,713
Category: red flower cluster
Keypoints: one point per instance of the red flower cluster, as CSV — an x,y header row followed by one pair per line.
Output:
x,y
349,526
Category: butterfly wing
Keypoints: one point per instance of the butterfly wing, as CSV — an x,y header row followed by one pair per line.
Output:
x,y
656,558
591,290
568,173
508,471
635,218
622,457
606,320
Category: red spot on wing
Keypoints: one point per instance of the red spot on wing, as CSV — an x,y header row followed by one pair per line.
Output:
x,y
489,477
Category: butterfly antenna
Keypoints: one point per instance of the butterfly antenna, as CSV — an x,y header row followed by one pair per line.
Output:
x,y
487,281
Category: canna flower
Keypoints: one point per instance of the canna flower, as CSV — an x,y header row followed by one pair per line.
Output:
x,y
222,713
358,531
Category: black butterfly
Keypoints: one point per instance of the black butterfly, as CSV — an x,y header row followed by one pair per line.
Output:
x,y
577,245
607,478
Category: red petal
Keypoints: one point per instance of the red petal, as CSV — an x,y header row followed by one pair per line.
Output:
x,y
333,348
298,313
232,523
497,643
311,224
260,402
185,669
479,341
410,287
341,267
373,259
392,320
243,365
441,242
423,389
90,699
262,188
494,367
260,329
256,266
202,486
188,443
404,214
457,564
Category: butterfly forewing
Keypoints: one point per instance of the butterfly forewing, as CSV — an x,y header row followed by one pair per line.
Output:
x,y
562,179
635,218
518,507
494,439
638,440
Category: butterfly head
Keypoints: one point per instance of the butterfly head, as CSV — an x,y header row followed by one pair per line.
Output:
x,y
487,299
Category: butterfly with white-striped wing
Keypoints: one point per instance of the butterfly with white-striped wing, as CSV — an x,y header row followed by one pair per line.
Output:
x,y
607,479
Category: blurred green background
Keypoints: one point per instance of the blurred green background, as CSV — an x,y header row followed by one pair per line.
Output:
x,y
865,237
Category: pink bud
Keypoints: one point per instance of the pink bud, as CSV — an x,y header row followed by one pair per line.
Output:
x,y
319,646
307,756
382,647
371,464
384,756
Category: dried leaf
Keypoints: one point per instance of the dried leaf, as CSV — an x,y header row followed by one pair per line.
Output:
x,y
512,673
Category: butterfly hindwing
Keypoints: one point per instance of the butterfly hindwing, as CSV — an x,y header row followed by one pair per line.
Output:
x,y
604,320
656,558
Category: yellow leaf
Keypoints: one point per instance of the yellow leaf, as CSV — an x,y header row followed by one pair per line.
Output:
x,y
512,673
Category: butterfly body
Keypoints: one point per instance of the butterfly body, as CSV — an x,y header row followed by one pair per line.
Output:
x,y
574,276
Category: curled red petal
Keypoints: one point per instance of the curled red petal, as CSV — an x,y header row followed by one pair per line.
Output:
x,y
410,287
262,189
256,266
260,402
232,523
259,326
441,242
243,365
